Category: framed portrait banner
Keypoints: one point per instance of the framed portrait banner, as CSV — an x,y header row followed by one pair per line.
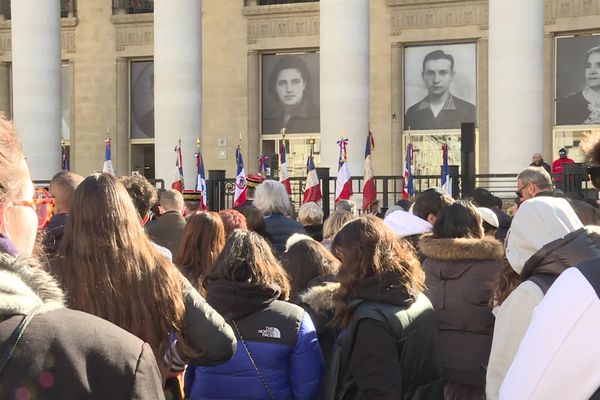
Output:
x,y
290,93
578,80
141,100
440,86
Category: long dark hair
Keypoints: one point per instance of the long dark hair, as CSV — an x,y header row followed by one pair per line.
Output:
x,y
247,257
367,248
109,268
458,220
201,244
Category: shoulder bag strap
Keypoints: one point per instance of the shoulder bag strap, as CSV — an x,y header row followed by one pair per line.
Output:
x,y
260,375
8,347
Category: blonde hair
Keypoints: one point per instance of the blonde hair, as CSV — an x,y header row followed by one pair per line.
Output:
x,y
171,200
310,214
335,222
271,197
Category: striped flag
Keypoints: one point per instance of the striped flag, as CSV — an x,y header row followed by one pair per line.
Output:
x,y
284,177
201,180
312,191
178,183
262,165
108,167
343,186
241,191
65,156
446,180
407,179
369,191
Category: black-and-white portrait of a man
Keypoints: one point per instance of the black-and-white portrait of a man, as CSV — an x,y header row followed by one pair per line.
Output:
x,y
578,80
440,86
290,93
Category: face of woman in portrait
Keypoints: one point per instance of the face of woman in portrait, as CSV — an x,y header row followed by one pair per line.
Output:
x,y
592,71
290,87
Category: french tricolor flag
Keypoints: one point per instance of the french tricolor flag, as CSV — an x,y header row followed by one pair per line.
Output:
x,y
201,181
369,191
312,192
343,186
446,180
241,191
178,182
107,168
284,177
407,177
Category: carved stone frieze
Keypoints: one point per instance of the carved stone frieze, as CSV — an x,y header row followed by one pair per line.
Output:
x,y
283,27
134,36
67,40
439,15
394,3
571,8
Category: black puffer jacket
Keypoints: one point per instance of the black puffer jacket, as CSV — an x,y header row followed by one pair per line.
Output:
x,y
389,348
459,275
281,228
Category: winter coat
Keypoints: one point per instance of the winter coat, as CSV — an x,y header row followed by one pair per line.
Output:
x,y
54,232
389,349
514,314
66,354
315,231
459,275
281,228
558,356
280,337
317,300
168,231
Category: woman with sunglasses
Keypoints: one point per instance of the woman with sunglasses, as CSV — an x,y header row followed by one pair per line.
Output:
x,y
109,268
60,353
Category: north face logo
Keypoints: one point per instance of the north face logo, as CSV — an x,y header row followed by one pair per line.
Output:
x,y
270,332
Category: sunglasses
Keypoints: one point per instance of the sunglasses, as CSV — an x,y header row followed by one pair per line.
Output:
x,y
519,192
42,203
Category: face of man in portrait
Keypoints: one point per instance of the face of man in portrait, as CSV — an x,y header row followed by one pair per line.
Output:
x,y
290,87
437,77
592,71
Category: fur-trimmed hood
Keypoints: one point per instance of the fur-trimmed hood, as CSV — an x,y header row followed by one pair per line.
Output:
x,y
487,248
25,285
321,297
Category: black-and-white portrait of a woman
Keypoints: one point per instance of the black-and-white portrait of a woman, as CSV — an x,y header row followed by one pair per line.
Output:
x,y
290,93
578,80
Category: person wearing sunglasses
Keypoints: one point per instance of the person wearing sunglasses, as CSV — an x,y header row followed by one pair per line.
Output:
x,y
49,351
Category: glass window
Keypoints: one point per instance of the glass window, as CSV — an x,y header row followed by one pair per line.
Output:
x,y
142,160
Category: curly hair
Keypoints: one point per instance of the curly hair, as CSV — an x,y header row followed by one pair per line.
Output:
x,y
141,191
367,247
233,219
506,281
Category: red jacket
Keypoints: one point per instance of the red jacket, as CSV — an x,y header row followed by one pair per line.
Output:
x,y
557,167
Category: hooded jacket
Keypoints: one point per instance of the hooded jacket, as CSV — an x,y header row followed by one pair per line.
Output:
x,y
280,337
459,274
388,349
546,238
66,354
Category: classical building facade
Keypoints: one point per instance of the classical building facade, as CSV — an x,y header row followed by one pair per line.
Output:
x,y
149,74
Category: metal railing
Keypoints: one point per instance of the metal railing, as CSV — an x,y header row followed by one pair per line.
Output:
x,y
67,8
133,6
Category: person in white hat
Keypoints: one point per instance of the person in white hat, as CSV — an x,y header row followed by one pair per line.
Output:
x,y
489,221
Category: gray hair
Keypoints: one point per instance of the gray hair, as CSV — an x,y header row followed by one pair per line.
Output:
x,y
346,205
310,214
271,197
536,175
171,200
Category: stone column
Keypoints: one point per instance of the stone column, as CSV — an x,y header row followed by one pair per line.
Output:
x,y
177,85
516,83
345,74
5,90
37,83
397,103
254,137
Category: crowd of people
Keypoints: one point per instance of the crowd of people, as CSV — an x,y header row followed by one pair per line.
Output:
x,y
436,299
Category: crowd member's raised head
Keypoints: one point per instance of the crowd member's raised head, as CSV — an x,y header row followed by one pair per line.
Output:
x,y
255,220
333,224
171,200
311,216
345,205
531,181
458,220
202,242
232,220
109,268
18,226
430,202
271,197
62,188
489,221
142,193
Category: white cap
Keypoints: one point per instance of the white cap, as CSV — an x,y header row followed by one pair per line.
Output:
x,y
405,223
488,216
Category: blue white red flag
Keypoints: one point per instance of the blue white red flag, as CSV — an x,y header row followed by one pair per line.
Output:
x,y
65,157
284,177
369,190
108,167
178,183
312,191
446,180
262,165
241,191
201,181
407,178
343,186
